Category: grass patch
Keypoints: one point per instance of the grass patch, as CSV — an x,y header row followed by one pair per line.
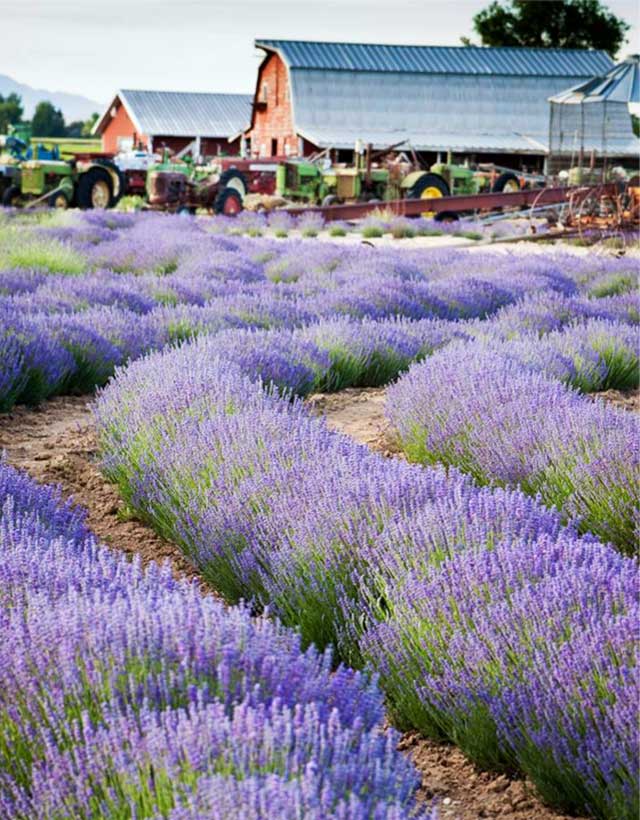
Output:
x,y
372,232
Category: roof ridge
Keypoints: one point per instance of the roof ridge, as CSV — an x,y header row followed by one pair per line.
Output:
x,y
461,47
190,93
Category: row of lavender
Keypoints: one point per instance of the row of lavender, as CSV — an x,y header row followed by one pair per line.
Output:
x,y
489,621
505,407
316,339
126,693
67,322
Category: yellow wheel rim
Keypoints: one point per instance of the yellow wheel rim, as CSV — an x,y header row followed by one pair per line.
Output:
x,y
511,186
430,193
60,201
100,194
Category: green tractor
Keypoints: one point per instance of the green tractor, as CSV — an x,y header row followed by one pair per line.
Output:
x,y
61,184
308,181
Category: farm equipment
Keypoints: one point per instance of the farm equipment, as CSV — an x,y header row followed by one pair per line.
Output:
x,y
220,188
392,179
59,184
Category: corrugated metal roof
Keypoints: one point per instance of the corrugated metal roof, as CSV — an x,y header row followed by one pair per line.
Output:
x,y
463,113
621,84
186,114
539,62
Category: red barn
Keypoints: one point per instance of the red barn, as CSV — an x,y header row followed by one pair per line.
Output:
x,y
210,123
482,102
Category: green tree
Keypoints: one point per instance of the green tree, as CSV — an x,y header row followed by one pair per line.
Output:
x,y
74,129
88,124
81,128
11,111
47,121
551,24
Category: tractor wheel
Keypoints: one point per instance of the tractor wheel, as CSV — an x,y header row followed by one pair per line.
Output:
x,y
446,216
429,186
59,200
228,202
330,199
234,179
122,181
12,197
94,189
507,183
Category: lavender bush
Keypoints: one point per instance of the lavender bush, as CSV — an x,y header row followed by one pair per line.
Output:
x,y
272,507
190,278
122,690
508,424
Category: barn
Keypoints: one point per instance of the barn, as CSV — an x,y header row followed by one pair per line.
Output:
x,y
175,119
481,103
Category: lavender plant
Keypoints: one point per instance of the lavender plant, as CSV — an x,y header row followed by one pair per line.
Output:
x,y
127,693
507,424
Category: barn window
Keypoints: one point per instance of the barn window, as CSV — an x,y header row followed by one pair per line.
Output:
x,y
274,147
265,92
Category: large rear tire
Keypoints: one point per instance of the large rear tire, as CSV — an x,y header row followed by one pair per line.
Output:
x,y
429,186
122,182
232,178
228,202
94,189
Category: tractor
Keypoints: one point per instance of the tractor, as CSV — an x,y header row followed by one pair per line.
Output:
x,y
391,178
181,186
61,184
221,188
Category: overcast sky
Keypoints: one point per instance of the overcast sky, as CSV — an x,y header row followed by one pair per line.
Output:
x,y
93,48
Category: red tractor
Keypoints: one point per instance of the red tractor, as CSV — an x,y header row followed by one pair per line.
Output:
x,y
221,188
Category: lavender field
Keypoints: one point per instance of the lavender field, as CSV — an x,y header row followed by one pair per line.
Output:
x,y
483,591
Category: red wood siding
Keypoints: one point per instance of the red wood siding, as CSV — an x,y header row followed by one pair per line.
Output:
x,y
209,146
119,126
272,132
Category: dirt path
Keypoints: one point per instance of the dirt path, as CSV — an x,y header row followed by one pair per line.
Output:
x,y
359,413
56,443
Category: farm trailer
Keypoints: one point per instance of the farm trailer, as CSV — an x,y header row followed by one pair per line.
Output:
x,y
452,206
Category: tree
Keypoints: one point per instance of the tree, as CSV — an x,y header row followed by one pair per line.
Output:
x,y
88,124
47,121
74,129
551,24
11,111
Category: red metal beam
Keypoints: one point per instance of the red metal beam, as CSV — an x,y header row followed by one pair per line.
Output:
x,y
457,204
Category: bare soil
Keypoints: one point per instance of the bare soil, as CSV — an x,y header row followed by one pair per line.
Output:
x,y
56,443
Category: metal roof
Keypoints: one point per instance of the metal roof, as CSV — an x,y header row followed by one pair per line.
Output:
x,y
539,62
621,85
472,113
183,114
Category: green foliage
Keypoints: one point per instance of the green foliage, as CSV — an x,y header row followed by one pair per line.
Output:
x,y
87,126
403,232
551,24
372,232
11,111
48,121
337,230
33,254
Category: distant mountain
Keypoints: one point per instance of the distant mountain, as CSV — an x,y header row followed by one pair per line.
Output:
x,y
73,106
